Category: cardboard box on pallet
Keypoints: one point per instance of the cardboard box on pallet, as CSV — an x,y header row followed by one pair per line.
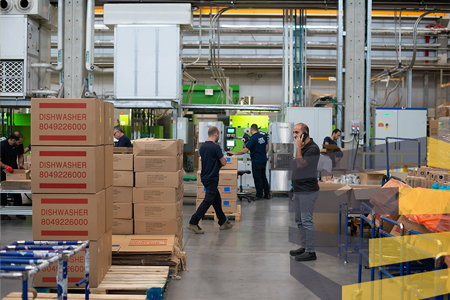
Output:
x,y
166,211
232,163
121,226
159,179
109,122
156,195
123,178
67,122
122,194
155,226
69,216
226,192
122,162
434,128
19,180
157,147
123,211
68,170
228,206
109,172
100,259
109,207
158,163
226,178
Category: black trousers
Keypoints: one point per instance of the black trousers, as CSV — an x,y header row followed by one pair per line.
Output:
x,y
17,197
212,197
259,176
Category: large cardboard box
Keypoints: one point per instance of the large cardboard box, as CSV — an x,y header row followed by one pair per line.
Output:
x,y
123,162
168,211
122,194
159,179
108,166
228,206
148,226
443,110
232,163
434,128
67,122
226,192
100,259
157,195
121,226
109,122
109,198
123,178
123,150
157,147
158,163
409,225
226,178
123,211
117,241
68,170
68,216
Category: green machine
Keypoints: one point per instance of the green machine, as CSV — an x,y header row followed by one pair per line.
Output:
x,y
242,122
206,94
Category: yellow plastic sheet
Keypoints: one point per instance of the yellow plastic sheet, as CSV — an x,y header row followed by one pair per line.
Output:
x,y
423,201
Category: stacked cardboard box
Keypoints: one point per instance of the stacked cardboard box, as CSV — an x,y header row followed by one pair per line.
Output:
x,y
72,153
158,191
123,193
227,186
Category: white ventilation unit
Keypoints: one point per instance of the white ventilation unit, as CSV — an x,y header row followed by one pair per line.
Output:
x,y
37,9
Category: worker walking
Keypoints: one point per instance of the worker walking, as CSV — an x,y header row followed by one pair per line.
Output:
x,y
212,161
306,191
258,147
332,140
124,141
11,153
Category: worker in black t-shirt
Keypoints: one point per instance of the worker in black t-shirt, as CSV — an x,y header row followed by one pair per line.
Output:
x,y
332,140
10,153
212,161
124,141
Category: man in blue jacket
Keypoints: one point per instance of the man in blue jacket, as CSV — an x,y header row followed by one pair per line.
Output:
x,y
258,147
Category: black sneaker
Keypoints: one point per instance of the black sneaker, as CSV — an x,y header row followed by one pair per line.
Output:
x,y
268,196
306,256
258,198
297,252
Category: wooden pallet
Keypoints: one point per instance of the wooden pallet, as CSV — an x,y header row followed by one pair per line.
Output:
x,y
151,281
51,296
236,215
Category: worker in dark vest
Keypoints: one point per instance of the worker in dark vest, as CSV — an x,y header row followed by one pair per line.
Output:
x,y
332,140
124,141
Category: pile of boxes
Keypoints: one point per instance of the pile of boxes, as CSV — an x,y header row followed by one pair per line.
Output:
x,y
72,148
426,177
227,186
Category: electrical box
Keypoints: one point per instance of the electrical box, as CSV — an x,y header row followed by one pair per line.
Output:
x,y
203,128
23,42
354,127
182,129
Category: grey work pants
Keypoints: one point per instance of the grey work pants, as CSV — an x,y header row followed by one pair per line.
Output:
x,y
304,209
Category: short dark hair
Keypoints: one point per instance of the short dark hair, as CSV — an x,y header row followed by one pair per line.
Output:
x,y
254,127
14,137
213,130
118,128
18,134
336,131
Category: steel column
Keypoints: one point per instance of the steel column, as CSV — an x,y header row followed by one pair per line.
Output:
x,y
340,61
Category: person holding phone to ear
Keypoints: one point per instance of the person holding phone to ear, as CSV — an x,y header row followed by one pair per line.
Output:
x,y
306,191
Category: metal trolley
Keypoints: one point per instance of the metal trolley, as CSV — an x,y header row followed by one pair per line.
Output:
x,y
23,259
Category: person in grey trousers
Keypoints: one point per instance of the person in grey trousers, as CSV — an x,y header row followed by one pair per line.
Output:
x,y
306,191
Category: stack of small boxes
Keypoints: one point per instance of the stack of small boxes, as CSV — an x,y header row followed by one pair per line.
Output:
x,y
227,186
158,191
72,150
123,192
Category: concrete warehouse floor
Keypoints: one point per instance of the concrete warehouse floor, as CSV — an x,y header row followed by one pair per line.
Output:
x,y
251,261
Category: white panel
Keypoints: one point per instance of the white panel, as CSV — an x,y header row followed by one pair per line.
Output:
x,y
12,34
412,123
146,62
124,61
383,117
169,61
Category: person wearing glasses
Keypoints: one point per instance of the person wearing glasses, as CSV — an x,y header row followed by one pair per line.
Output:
x,y
123,140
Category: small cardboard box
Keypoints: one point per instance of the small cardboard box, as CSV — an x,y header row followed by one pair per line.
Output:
x,y
122,194
109,198
67,122
123,162
371,178
68,216
159,179
123,211
123,178
434,128
441,177
409,225
109,176
17,175
121,226
157,195
226,178
68,170
168,211
422,172
228,206
157,147
226,192
100,260
158,163
109,122
232,163
146,226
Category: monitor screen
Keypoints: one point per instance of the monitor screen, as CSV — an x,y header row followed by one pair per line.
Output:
x,y
231,130
231,143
